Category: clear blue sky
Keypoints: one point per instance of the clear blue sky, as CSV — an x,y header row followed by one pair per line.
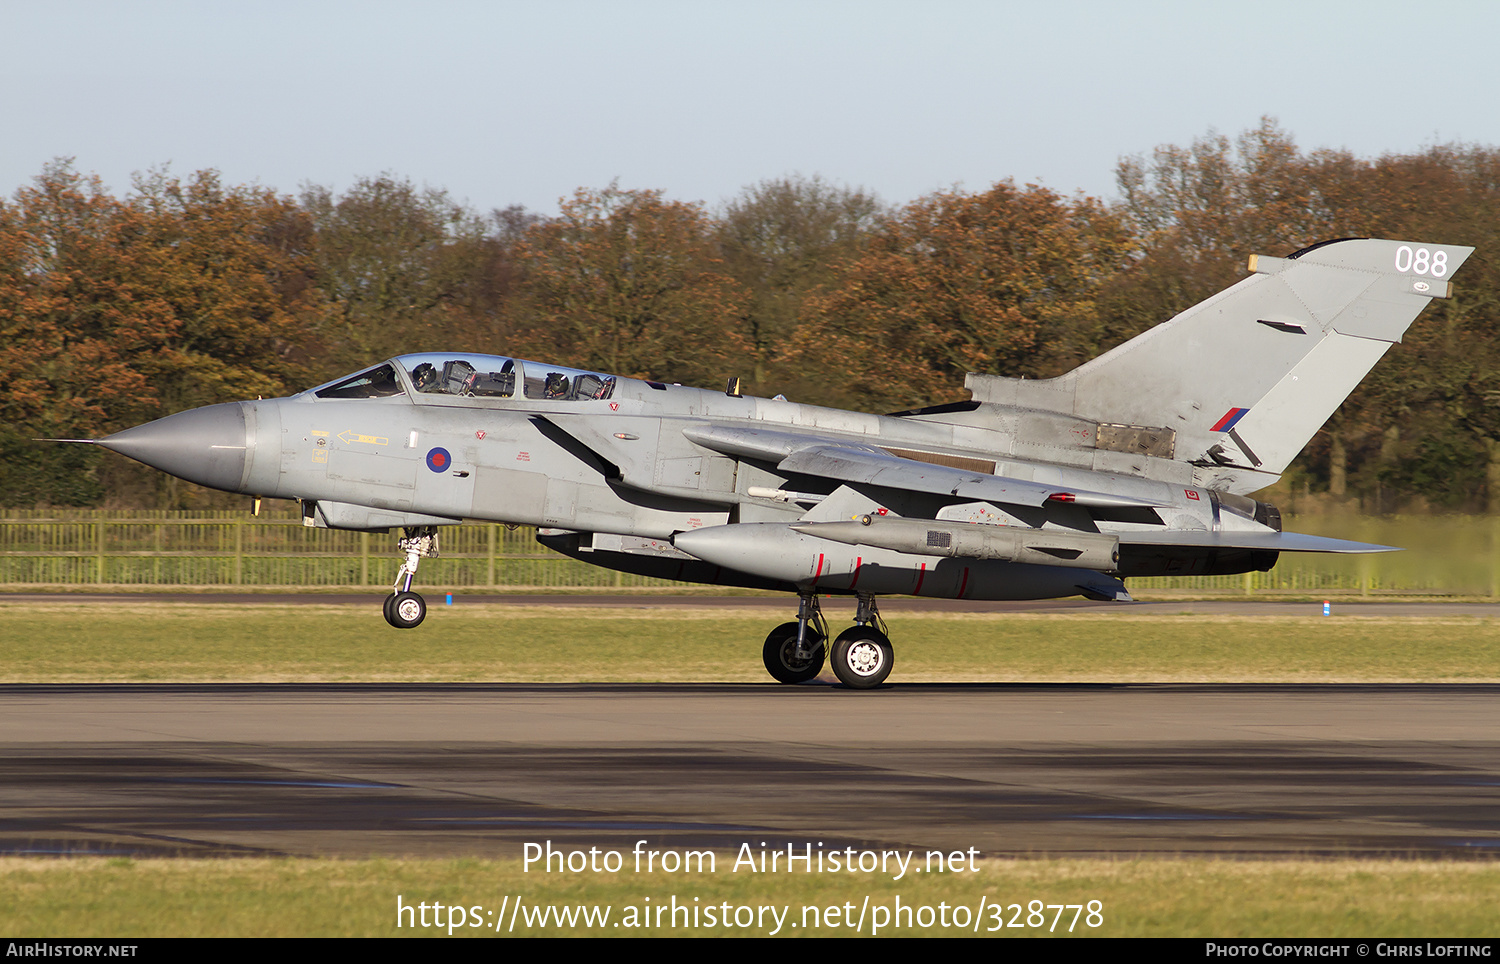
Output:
x,y
506,102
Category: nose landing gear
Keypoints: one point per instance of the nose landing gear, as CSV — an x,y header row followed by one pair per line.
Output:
x,y
405,609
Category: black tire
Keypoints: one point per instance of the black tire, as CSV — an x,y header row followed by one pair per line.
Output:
x,y
385,607
862,657
780,655
406,610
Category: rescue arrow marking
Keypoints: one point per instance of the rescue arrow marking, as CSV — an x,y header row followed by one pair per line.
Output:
x,y
351,438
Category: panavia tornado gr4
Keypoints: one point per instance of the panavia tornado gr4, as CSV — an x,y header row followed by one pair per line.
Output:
x,y
1139,463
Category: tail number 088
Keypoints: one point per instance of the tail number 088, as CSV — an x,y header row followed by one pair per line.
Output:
x,y
1421,261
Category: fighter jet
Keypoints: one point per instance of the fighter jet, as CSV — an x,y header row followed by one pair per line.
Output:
x,y
1139,463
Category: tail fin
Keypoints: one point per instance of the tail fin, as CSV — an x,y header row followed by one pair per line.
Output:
x,y
1245,378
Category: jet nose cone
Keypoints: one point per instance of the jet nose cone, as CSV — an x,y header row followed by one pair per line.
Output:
x,y
203,445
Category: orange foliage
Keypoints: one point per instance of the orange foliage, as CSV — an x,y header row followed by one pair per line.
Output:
x,y
958,283
630,283
114,311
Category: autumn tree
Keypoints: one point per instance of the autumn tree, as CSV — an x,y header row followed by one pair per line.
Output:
x,y
499,281
995,282
114,311
781,239
72,318
404,267
237,268
631,283
1426,423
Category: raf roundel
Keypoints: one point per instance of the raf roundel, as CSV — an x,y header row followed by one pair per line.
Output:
x,y
438,460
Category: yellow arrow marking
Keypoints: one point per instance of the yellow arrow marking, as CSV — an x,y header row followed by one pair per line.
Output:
x,y
351,438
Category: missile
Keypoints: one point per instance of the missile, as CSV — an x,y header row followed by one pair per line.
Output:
x,y
781,495
969,540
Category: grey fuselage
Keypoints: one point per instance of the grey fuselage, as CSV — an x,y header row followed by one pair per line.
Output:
x,y
1139,462
617,481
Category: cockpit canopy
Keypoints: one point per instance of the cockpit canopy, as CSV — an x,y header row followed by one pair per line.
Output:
x,y
471,376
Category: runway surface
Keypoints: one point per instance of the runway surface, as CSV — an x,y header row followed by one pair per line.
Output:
x,y
1008,769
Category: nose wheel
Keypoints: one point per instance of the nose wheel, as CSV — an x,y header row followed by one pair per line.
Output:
x,y
405,609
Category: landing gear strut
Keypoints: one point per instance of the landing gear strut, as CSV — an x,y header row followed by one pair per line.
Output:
x,y
862,655
794,652
405,609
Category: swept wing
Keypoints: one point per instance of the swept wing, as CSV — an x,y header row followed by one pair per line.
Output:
x,y
847,461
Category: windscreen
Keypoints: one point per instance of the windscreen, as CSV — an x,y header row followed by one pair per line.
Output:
x,y
379,382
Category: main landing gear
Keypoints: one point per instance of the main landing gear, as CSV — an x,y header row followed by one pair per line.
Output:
x,y
405,609
794,651
862,655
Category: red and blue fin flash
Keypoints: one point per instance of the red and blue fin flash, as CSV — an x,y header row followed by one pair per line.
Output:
x,y
1227,423
1230,420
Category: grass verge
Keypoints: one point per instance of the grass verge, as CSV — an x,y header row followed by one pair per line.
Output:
x,y
190,642
124,898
